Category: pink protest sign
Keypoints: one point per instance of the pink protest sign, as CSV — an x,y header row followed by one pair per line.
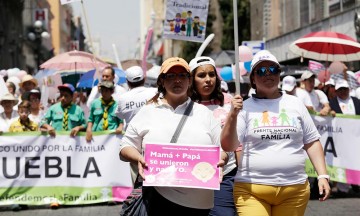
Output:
x,y
179,165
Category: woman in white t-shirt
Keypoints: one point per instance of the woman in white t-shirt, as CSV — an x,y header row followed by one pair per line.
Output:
x,y
156,122
275,131
207,91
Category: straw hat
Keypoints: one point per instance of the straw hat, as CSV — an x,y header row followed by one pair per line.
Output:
x,y
28,78
9,97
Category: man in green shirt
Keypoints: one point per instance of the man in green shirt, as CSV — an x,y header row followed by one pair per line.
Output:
x,y
102,112
65,115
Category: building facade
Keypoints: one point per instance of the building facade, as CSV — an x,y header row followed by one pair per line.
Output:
x,y
281,22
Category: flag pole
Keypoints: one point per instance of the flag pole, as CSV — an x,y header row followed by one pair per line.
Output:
x,y
146,48
236,40
97,72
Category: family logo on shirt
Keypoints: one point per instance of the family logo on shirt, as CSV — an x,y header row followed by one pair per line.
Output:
x,y
275,127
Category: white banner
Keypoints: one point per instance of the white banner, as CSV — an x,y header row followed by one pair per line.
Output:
x,y
186,20
58,167
340,139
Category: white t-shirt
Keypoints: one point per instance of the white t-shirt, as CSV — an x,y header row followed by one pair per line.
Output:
x,y
37,118
130,102
156,123
304,97
5,122
347,106
220,114
318,99
119,90
273,133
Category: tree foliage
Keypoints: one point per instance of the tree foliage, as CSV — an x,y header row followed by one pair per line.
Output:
x,y
226,7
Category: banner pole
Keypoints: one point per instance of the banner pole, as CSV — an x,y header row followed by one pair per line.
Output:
x,y
236,40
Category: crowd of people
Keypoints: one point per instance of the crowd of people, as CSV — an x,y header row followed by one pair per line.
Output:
x,y
261,173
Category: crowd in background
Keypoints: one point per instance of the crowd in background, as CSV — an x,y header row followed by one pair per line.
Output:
x,y
113,107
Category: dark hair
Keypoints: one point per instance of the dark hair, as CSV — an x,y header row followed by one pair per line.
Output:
x,y
25,104
136,84
111,68
217,94
12,85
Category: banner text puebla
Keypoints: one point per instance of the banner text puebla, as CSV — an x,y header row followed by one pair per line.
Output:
x,y
179,165
37,169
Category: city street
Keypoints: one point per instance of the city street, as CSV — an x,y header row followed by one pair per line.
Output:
x,y
332,207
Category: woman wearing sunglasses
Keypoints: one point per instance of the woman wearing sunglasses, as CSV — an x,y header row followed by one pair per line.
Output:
x,y
207,91
156,122
274,129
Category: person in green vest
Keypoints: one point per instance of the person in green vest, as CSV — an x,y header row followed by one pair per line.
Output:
x,y
102,112
65,115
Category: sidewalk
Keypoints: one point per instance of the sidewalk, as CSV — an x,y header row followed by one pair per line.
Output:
x,y
331,207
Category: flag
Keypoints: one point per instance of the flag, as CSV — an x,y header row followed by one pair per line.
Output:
x,y
68,1
315,66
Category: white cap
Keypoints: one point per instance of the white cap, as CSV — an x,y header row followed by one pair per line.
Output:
x,y
263,55
317,82
340,83
134,74
288,83
199,61
224,86
306,75
331,81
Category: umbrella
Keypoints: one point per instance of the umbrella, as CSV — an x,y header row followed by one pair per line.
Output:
x,y
327,46
87,79
353,83
75,61
134,62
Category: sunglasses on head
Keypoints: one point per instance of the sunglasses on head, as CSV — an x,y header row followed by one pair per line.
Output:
x,y
272,69
172,76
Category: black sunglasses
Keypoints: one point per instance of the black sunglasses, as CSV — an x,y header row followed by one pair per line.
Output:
x,y
272,69
173,76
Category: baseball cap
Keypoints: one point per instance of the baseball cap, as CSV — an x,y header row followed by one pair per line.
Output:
x,y
261,56
107,84
288,83
331,81
306,75
199,61
340,83
134,74
67,86
174,61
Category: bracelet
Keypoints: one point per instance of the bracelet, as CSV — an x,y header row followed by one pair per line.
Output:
x,y
324,176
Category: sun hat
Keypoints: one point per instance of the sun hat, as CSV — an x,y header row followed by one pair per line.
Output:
x,y
134,74
340,83
9,97
174,61
199,61
261,56
288,83
67,86
306,75
107,84
28,78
